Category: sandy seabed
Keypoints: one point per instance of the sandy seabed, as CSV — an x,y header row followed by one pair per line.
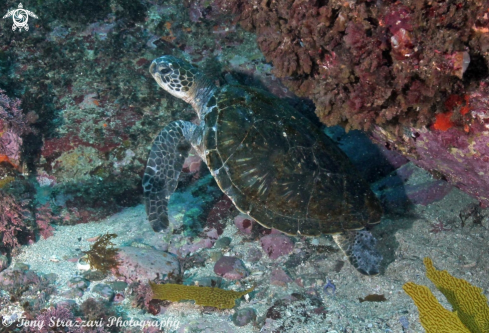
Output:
x,y
404,240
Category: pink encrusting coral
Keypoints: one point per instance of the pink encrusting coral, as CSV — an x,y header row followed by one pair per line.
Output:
x,y
459,153
52,318
16,215
366,63
13,125
12,221
10,144
12,115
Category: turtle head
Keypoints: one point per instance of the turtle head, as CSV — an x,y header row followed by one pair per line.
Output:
x,y
176,76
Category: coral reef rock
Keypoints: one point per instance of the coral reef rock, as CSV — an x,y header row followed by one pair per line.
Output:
x,y
411,71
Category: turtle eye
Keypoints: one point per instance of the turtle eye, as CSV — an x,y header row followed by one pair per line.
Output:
x,y
165,70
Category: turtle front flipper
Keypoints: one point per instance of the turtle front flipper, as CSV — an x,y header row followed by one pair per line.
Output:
x,y
359,247
168,153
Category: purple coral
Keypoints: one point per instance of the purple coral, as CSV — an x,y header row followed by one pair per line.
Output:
x,y
140,294
392,65
53,319
11,220
13,124
11,115
17,281
14,216
10,144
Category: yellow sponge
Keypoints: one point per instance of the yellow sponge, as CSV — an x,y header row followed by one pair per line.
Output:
x,y
205,296
434,317
470,309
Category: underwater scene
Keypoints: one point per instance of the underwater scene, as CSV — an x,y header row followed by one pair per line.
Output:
x,y
235,166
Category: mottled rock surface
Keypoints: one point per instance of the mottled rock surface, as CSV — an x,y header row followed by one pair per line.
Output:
x,y
144,264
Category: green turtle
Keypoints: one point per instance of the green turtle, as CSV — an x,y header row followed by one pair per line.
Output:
x,y
271,161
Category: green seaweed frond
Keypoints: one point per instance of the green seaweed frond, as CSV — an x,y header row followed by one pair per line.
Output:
x,y
102,254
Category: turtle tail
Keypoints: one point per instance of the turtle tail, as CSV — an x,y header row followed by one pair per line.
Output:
x,y
359,247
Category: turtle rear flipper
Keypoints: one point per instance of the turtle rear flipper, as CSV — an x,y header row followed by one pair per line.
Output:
x,y
359,247
168,153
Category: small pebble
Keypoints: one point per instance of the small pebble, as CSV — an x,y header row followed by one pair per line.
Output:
x,y
51,277
244,223
222,243
276,245
21,267
73,293
253,255
243,317
145,264
119,297
208,281
117,285
215,256
230,268
104,291
404,322
68,303
279,277
94,275
78,282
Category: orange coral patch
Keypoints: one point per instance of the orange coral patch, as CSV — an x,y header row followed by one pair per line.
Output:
x,y
4,158
454,101
443,121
